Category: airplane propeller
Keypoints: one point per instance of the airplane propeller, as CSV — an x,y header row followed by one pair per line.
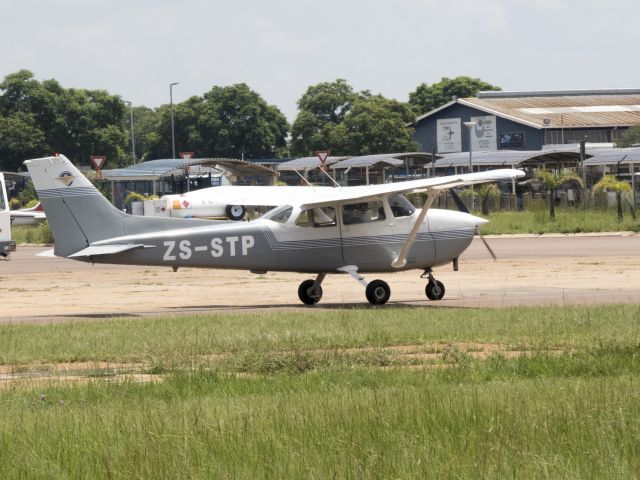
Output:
x,y
486,244
463,208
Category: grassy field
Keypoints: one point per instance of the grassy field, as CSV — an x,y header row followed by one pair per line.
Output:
x,y
548,392
570,220
40,234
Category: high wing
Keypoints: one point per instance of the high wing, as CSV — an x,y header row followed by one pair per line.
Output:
x,y
256,195
434,185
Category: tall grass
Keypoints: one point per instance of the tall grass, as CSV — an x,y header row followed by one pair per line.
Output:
x,y
290,396
39,234
568,220
168,341
331,424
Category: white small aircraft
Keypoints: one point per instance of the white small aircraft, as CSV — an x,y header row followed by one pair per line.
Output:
x,y
232,201
28,216
350,230
6,244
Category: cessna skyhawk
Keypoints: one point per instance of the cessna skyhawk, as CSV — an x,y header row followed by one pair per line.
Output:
x,y
352,230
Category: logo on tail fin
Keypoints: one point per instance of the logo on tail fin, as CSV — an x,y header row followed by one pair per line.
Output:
x,y
66,178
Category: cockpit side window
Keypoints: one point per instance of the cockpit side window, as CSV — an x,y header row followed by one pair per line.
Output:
x,y
400,206
317,217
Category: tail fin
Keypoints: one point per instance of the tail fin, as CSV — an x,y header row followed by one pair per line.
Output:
x,y
77,213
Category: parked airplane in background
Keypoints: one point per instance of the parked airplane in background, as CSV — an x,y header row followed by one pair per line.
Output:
x,y
6,244
28,216
232,201
351,230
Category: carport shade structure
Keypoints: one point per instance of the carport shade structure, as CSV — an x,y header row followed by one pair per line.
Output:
x,y
158,170
627,158
384,160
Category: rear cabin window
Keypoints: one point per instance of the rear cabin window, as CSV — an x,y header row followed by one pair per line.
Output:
x,y
363,212
317,217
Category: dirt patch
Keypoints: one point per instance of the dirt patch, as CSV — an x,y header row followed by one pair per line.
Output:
x,y
30,381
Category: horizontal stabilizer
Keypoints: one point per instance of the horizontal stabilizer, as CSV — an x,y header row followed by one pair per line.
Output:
x,y
95,250
46,253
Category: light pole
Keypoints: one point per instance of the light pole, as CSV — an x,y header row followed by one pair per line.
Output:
x,y
133,138
173,133
470,126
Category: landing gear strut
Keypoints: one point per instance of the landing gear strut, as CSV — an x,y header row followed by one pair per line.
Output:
x,y
435,288
310,291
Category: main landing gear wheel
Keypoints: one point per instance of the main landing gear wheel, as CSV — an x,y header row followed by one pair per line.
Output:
x,y
378,292
235,212
434,290
307,294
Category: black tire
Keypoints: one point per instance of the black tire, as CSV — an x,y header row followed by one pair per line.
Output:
x,y
235,212
434,290
378,292
305,295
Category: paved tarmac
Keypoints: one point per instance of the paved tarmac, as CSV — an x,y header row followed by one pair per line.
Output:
x,y
531,270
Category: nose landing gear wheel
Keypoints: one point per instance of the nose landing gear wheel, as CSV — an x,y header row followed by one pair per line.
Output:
x,y
378,292
434,290
307,294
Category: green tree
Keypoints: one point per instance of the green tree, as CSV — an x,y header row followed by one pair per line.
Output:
x,y
331,115
611,184
630,138
427,97
553,181
322,107
20,138
226,122
145,121
75,122
487,191
374,125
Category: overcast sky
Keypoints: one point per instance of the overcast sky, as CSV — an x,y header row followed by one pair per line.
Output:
x,y
135,48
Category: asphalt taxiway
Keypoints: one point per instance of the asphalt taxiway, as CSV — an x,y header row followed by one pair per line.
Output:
x,y
531,270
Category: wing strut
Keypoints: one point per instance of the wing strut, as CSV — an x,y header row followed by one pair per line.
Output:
x,y
401,261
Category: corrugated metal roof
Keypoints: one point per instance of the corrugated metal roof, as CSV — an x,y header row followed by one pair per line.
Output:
x,y
570,109
613,156
306,163
310,163
155,169
508,158
369,161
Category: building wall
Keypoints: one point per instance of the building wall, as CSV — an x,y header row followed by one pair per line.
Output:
x,y
425,133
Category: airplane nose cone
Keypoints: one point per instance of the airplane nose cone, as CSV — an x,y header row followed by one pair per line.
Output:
x,y
478,221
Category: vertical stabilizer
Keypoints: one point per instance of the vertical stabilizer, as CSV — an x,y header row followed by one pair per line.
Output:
x,y
77,212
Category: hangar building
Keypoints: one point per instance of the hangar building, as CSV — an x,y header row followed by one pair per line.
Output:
x,y
528,120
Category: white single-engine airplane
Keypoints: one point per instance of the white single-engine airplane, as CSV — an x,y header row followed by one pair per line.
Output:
x,y
232,201
6,244
349,230
28,216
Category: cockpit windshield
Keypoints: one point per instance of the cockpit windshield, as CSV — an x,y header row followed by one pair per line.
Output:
x,y
400,206
279,214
